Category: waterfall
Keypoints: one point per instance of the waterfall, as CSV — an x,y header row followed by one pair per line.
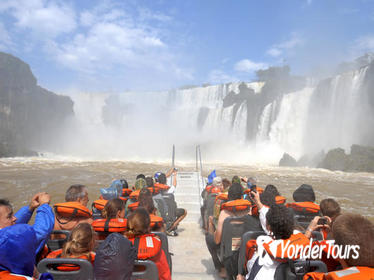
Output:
x,y
144,125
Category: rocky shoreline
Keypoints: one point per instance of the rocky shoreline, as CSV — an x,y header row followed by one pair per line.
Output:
x,y
360,159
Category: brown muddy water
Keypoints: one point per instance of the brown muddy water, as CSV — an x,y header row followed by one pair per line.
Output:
x,y
20,178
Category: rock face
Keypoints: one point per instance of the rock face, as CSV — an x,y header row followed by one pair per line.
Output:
x,y
361,159
30,116
288,160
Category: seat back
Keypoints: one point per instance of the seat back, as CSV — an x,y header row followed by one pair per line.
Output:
x,y
85,271
249,235
60,237
172,205
165,247
232,232
210,201
144,269
295,270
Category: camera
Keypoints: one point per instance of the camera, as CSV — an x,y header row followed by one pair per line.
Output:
x,y
322,221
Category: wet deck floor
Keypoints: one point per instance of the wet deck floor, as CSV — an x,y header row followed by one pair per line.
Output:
x,y
191,258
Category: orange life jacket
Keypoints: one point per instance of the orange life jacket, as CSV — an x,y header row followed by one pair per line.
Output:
x,y
70,267
148,245
133,206
222,196
258,189
135,194
295,240
156,221
110,225
304,207
72,209
280,199
124,198
236,205
99,204
212,189
6,275
162,187
126,192
350,273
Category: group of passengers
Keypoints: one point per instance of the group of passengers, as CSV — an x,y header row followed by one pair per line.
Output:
x,y
277,226
110,237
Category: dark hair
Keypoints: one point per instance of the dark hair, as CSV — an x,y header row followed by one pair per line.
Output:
x,y
149,181
235,192
75,192
329,207
272,189
146,201
281,221
267,198
5,202
162,178
138,223
125,185
112,207
226,183
304,193
354,229
140,176
235,179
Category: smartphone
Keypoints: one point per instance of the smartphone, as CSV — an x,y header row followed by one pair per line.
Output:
x,y
253,188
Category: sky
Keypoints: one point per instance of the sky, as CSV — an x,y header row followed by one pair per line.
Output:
x,y
115,46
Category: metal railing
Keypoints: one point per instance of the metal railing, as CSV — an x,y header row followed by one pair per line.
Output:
x,y
199,170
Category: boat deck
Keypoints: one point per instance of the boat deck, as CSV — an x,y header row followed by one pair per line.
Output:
x,y
191,258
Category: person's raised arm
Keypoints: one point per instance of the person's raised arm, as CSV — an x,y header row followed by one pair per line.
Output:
x,y
44,220
24,214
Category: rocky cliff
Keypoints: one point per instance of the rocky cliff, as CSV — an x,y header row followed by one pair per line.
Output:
x,y
30,116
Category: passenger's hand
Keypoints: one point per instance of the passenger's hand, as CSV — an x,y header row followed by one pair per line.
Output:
x,y
313,224
240,277
34,203
256,197
244,179
44,198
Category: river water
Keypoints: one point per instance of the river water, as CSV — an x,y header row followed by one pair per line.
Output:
x,y
20,178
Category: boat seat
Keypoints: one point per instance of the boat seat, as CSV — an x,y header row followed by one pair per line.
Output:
x,y
58,243
165,247
144,269
85,271
249,235
295,270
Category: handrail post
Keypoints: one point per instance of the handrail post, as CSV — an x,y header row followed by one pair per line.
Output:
x,y
172,166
